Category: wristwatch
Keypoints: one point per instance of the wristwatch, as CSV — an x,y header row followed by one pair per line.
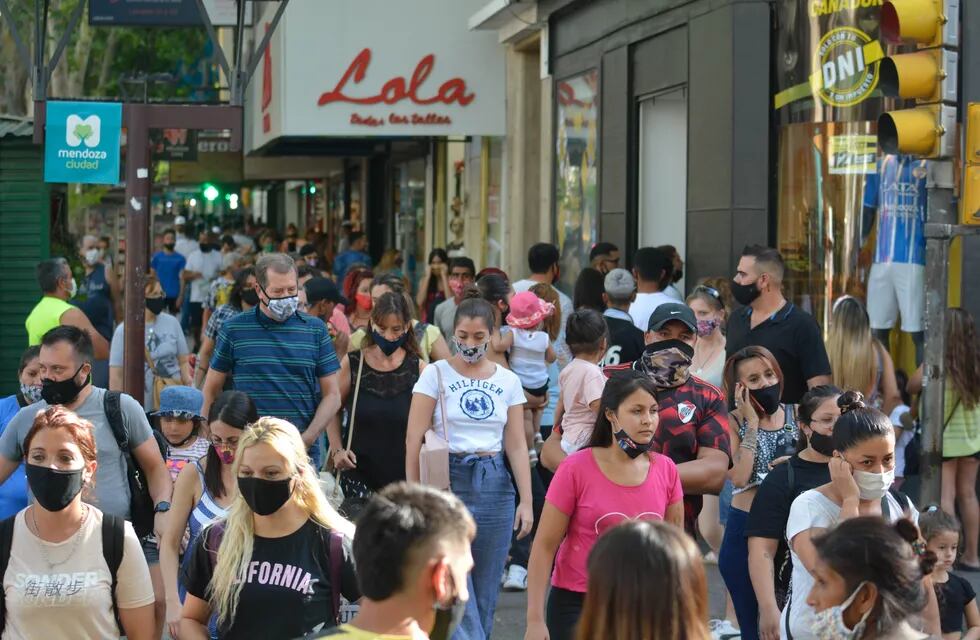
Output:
x,y
161,507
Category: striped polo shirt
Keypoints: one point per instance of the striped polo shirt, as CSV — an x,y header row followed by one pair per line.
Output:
x,y
278,364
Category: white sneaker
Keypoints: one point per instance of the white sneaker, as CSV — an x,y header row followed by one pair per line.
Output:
x,y
723,630
516,579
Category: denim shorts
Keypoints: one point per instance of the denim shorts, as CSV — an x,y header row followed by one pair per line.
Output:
x,y
151,550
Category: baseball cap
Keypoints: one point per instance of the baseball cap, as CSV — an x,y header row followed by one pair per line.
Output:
x,y
672,311
619,283
318,289
179,220
307,249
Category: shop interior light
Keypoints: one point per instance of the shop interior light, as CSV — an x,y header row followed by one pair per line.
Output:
x,y
233,201
210,192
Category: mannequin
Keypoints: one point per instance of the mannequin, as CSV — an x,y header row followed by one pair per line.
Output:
x,y
896,284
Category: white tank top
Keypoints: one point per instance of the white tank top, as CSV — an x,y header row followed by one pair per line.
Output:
x,y
527,357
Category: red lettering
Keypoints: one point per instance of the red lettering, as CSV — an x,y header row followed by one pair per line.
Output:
x,y
369,121
394,90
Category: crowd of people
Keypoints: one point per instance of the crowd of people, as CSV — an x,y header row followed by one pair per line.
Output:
x,y
322,447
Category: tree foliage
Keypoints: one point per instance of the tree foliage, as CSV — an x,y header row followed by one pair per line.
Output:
x,y
98,59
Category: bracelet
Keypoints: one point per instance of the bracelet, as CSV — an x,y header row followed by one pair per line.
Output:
x,y
749,447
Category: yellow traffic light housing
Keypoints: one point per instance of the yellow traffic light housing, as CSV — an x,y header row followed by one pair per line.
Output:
x,y
927,76
970,198
930,23
925,132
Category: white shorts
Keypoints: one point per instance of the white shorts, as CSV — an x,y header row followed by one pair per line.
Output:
x,y
895,287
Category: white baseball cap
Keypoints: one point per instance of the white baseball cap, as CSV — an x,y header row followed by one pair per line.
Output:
x,y
180,220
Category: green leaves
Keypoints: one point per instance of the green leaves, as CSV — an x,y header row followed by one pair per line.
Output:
x,y
83,131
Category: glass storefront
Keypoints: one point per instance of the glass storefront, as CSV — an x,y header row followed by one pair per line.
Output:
x,y
576,172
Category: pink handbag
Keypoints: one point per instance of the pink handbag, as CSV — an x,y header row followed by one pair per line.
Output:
x,y
434,455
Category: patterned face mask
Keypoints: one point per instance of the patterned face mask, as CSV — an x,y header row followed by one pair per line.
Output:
x,y
472,354
667,363
829,623
31,392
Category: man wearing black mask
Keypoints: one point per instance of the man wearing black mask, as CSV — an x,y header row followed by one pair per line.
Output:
x,y
412,550
66,365
769,320
693,430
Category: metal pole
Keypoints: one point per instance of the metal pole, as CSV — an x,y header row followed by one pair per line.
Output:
x,y
941,214
137,233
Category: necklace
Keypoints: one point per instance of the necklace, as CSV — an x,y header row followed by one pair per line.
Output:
x,y
707,359
76,538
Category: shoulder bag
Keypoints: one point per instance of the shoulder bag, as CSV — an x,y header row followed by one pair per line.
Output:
x,y
330,482
434,455
159,382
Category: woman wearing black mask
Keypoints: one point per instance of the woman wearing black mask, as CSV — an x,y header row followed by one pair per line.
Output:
x,y
762,432
270,570
57,561
376,385
769,564
616,478
243,297
166,359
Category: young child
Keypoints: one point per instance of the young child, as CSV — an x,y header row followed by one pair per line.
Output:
x,y
530,354
581,381
180,423
957,599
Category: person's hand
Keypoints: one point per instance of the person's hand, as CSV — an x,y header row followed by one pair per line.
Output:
x,y
523,520
159,526
537,631
344,459
173,619
842,479
743,405
178,302
769,623
779,460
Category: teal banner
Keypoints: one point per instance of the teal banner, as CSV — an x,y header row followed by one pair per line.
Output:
x,y
81,142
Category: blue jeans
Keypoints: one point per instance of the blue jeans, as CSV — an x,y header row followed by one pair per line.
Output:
x,y
485,487
733,563
725,502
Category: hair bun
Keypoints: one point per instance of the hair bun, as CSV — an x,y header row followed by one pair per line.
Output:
x,y
910,533
850,400
472,292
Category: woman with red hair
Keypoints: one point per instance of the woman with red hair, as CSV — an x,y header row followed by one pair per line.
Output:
x,y
357,290
56,556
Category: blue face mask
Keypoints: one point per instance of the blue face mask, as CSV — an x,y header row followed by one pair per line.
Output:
x,y
388,347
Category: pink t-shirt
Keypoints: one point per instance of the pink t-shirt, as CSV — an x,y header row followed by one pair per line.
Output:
x,y
581,383
339,320
595,504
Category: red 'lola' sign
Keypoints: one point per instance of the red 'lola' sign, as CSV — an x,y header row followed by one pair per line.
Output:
x,y
396,89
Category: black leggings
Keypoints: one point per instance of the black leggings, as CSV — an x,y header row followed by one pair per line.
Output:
x,y
564,609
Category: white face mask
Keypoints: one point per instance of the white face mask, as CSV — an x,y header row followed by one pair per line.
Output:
x,y
829,623
74,289
92,256
874,486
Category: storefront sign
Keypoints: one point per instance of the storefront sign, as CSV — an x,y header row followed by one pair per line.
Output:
x,y
430,77
828,57
852,154
81,142
164,13
176,144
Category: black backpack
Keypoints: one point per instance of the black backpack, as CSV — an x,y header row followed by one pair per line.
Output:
x,y
140,502
113,533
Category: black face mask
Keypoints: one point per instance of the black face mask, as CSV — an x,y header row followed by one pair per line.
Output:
x,y
53,489
388,347
156,305
448,618
264,497
250,296
824,445
62,391
206,248
629,446
745,294
767,397
169,246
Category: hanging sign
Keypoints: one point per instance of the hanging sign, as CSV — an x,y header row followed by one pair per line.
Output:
x,y
81,142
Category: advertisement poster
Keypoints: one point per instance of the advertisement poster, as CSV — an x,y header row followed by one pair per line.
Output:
x,y
81,142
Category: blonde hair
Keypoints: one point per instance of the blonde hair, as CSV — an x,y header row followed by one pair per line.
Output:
x,y
239,527
852,349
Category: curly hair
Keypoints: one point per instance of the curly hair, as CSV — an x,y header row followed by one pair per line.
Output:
x,y
962,364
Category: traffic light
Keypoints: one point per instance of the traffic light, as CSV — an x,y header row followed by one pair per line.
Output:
x,y
970,201
928,76
210,192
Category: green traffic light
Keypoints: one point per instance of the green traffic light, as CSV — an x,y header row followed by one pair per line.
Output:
x,y
211,192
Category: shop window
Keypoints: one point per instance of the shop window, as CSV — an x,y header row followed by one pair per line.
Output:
x,y
576,172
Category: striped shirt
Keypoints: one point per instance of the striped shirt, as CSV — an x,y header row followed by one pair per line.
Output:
x,y
278,364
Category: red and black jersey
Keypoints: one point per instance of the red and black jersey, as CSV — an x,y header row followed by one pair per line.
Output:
x,y
692,415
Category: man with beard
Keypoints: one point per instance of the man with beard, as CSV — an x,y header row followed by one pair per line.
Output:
x,y
677,273
693,429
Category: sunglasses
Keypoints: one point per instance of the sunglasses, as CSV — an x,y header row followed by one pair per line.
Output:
x,y
711,291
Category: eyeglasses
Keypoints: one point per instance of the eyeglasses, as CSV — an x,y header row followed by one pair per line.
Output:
x,y
711,291
230,442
